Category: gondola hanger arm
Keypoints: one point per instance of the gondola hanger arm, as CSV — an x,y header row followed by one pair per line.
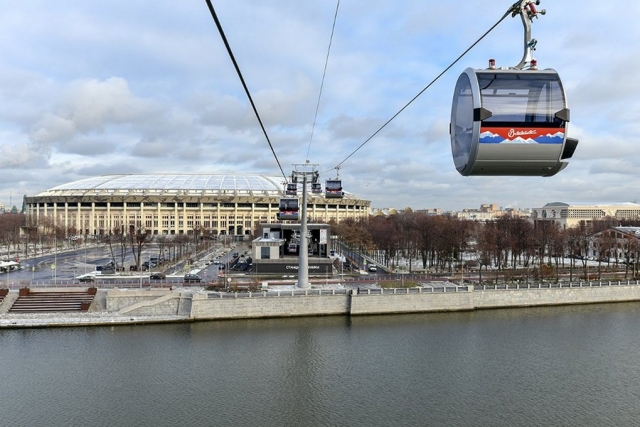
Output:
x,y
527,10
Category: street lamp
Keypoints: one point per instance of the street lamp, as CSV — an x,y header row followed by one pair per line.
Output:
x,y
55,260
85,254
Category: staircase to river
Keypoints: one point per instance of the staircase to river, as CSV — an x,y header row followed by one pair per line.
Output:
x,y
29,301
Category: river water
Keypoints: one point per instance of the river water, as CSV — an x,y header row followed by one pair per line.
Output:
x,y
556,366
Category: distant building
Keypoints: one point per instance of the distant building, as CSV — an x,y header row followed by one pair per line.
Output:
x,y
568,215
434,211
614,244
393,211
488,212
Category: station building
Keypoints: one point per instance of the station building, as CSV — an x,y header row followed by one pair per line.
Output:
x,y
168,204
277,249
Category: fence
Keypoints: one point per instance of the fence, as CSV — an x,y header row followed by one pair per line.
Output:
x,y
559,285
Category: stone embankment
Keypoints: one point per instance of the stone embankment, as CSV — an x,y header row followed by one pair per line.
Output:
x,y
122,306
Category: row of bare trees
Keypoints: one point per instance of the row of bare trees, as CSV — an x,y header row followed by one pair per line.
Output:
x,y
507,244
21,239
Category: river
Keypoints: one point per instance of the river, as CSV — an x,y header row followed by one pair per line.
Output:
x,y
554,366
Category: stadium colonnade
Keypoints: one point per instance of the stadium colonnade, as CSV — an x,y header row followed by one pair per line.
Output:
x,y
169,204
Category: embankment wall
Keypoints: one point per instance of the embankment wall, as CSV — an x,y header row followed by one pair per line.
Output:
x,y
148,302
588,294
213,305
258,306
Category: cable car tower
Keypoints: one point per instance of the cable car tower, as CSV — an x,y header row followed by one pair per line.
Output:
x,y
304,173
511,120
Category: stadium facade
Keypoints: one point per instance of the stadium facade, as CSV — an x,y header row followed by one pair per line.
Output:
x,y
167,204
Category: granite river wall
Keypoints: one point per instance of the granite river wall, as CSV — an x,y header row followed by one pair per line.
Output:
x,y
127,306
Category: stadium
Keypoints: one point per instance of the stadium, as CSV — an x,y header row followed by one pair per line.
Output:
x,y
167,204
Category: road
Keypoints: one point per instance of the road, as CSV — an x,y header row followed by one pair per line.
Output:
x,y
68,264
64,266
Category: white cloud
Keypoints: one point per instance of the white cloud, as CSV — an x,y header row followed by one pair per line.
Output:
x,y
91,88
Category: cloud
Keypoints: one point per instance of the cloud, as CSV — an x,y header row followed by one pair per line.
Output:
x,y
90,107
91,88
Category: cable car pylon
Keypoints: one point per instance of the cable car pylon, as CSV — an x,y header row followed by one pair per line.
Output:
x,y
307,172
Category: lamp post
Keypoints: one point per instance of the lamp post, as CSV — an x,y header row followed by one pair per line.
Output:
x,y
85,254
55,259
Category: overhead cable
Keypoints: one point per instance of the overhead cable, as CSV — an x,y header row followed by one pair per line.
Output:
x,y
315,117
244,85
425,88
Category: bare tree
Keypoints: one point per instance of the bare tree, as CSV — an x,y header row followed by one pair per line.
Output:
x,y
138,239
10,224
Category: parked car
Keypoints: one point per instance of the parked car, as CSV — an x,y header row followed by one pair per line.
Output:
x,y
146,265
216,261
373,268
158,276
86,278
241,266
192,278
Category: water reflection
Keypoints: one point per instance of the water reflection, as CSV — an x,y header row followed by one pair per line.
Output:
x,y
539,366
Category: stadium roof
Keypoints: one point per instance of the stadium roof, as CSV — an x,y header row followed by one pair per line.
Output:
x,y
173,184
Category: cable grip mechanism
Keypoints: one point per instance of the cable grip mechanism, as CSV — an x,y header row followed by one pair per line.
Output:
x,y
528,11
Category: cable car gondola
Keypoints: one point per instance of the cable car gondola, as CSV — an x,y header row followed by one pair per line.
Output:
x,y
511,121
316,188
292,189
289,209
333,189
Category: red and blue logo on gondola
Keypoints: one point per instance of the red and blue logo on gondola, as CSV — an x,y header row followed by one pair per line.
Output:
x,y
501,135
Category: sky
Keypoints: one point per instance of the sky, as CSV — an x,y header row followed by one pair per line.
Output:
x,y
92,88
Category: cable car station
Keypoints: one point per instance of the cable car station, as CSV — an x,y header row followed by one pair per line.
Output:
x,y
277,249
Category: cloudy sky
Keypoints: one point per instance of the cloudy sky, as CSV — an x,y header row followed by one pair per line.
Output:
x,y
90,88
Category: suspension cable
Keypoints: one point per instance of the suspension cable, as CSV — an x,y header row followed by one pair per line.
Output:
x,y
244,85
324,72
426,87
